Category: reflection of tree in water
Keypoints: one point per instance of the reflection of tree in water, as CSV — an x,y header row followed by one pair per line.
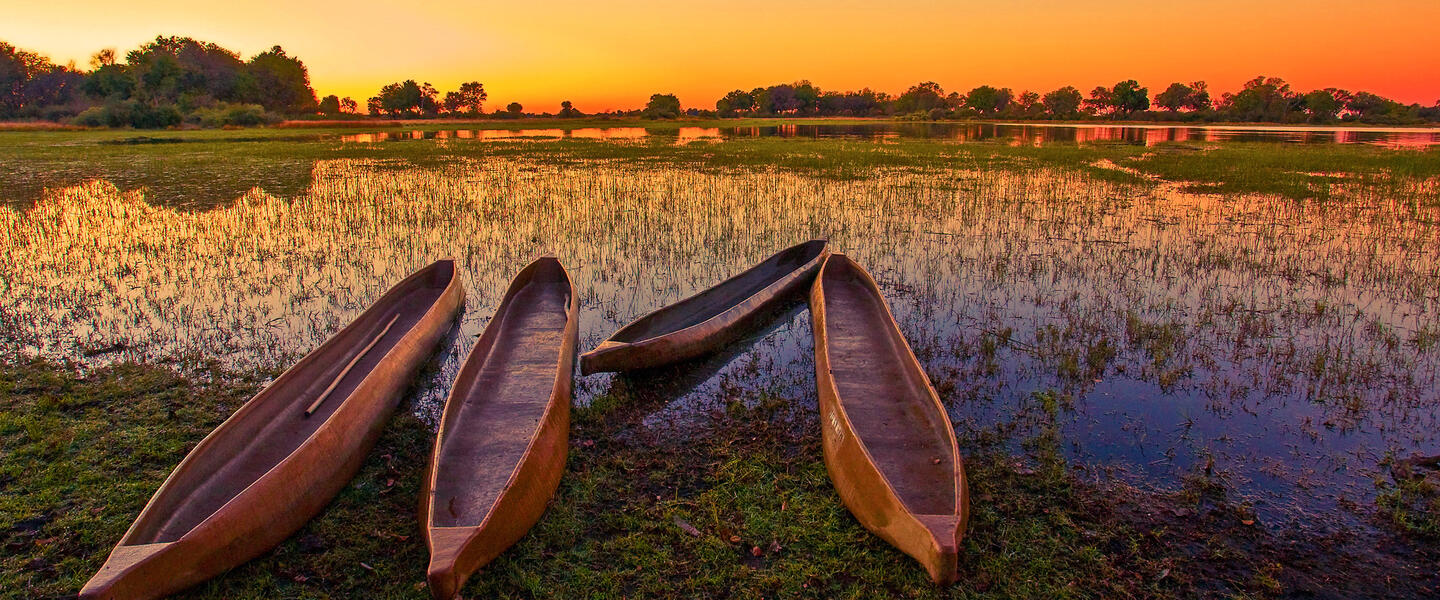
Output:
x,y
198,180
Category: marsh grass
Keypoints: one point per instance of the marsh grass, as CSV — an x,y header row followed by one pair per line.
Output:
x,y
1091,321
1298,171
210,167
1224,302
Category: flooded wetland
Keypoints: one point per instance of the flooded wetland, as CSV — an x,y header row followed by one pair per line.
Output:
x,y
1239,331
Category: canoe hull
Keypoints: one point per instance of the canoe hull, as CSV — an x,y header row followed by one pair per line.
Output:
x,y
293,491
932,540
706,337
457,552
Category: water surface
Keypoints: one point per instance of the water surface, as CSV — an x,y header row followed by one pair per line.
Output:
x,y
1015,133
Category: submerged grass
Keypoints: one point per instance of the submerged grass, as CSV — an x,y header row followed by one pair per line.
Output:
x,y
1411,499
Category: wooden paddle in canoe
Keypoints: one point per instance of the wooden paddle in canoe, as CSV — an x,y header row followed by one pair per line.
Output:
x,y
504,433
889,445
710,319
275,463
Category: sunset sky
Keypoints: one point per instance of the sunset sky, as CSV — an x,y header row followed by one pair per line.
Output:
x,y
607,55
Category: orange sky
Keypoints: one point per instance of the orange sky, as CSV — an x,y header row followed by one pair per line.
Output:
x,y
606,55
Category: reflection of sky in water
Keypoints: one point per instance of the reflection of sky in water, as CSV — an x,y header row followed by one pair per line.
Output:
x,y
1296,344
1014,133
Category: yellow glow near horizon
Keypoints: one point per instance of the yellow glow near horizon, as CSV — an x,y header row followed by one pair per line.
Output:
x,y
604,56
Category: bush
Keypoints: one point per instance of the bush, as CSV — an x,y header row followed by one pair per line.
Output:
x,y
57,113
110,114
129,113
154,117
242,115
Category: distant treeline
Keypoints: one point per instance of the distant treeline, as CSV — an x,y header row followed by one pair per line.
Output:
x,y
178,80
167,82
1263,99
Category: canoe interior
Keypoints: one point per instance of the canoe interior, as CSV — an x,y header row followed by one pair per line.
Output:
x,y
709,303
888,405
497,404
243,450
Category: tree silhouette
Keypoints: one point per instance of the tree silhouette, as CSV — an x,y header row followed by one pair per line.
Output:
x,y
453,102
470,98
1263,99
175,78
281,82
1371,107
921,97
662,106
1101,101
1175,97
1324,105
1199,98
405,98
1128,97
988,100
330,105
1064,102
103,58
735,102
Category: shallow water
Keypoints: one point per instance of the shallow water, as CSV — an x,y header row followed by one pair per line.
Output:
x,y
1146,330
1014,133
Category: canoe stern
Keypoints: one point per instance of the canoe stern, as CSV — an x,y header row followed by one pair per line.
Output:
x,y
445,574
603,358
131,573
442,581
942,561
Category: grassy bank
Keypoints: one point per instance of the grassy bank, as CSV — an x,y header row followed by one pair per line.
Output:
x,y
210,167
365,122
739,508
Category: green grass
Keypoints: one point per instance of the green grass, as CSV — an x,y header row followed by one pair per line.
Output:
x,y
206,167
1412,504
84,454
1297,171
760,518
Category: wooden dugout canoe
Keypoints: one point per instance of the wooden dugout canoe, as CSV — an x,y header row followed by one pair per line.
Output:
x,y
710,319
269,468
889,445
503,436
